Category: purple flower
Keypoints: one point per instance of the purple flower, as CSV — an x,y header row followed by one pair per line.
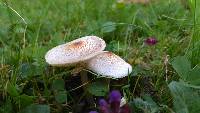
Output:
x,y
113,105
114,96
114,100
93,112
103,106
102,102
151,41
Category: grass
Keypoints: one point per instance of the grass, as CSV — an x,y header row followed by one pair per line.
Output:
x,y
30,28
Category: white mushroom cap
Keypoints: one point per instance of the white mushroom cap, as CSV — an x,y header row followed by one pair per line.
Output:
x,y
75,51
109,65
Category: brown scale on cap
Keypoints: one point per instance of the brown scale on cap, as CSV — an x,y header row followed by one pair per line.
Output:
x,y
110,54
75,45
78,44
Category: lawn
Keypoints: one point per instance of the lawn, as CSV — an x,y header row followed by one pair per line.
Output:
x,y
165,75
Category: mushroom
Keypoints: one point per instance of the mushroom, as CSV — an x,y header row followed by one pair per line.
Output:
x,y
75,51
89,50
109,65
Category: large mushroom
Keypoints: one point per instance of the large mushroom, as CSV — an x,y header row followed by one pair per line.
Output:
x,y
76,51
109,65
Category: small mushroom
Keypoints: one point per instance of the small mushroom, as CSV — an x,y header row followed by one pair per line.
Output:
x,y
109,65
75,51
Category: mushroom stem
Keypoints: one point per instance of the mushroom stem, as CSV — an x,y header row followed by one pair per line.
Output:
x,y
84,79
108,81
